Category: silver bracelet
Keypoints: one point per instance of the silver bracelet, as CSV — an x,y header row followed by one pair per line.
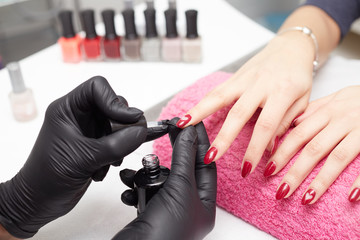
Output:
x,y
308,32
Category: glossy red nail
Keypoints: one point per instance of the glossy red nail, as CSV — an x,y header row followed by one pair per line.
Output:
x,y
275,146
282,191
270,168
183,121
354,195
308,196
210,155
294,121
246,169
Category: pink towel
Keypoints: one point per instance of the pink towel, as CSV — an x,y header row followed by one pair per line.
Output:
x,y
253,198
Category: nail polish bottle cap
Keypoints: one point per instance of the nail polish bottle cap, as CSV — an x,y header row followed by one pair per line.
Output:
x,y
16,77
88,22
150,22
149,4
172,4
130,28
67,23
108,18
170,18
191,24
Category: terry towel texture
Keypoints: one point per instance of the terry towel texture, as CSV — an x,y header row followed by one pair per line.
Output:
x,y
253,198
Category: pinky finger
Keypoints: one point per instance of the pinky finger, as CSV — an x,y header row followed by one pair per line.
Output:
x,y
354,194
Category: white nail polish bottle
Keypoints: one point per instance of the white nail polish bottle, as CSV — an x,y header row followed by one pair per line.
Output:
x,y
21,98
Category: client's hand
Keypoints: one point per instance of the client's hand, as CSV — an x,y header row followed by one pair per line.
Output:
x,y
278,80
72,149
330,126
185,207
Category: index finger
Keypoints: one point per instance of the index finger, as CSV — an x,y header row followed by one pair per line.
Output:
x,y
216,99
97,92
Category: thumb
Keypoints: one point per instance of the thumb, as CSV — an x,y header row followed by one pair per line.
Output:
x,y
119,144
183,157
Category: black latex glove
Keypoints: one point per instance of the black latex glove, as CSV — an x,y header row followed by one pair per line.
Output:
x,y
71,149
185,207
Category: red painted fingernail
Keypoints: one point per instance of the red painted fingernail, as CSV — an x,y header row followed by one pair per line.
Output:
x,y
246,169
355,194
276,144
183,121
282,191
210,155
308,196
270,168
294,121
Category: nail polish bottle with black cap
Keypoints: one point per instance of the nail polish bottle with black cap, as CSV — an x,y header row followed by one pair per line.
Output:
x,y
151,44
131,42
171,43
111,41
191,45
149,179
91,42
70,41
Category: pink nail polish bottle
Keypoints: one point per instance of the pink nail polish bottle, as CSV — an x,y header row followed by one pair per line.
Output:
x,y
21,98
191,45
171,43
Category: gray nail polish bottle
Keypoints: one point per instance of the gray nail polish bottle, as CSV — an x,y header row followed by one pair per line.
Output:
x,y
131,42
191,45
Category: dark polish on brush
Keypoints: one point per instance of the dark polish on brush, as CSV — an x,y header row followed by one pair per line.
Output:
x,y
282,191
246,169
354,195
270,169
183,121
210,155
308,196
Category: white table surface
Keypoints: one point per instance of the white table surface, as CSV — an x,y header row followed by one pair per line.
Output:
x,y
227,35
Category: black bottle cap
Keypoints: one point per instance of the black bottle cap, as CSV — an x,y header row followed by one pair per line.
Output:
x,y
129,20
108,18
67,23
88,22
150,22
191,24
170,18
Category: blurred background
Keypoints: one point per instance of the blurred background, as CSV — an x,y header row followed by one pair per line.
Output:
x,y
27,26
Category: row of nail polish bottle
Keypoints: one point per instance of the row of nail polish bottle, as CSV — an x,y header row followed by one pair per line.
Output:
x,y
92,47
171,48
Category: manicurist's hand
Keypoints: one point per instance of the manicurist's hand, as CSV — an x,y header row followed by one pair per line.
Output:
x,y
278,80
329,126
184,209
73,148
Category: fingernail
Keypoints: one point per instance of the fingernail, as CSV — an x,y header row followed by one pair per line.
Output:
x,y
245,171
308,196
210,155
270,168
282,191
294,121
275,146
183,121
355,194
